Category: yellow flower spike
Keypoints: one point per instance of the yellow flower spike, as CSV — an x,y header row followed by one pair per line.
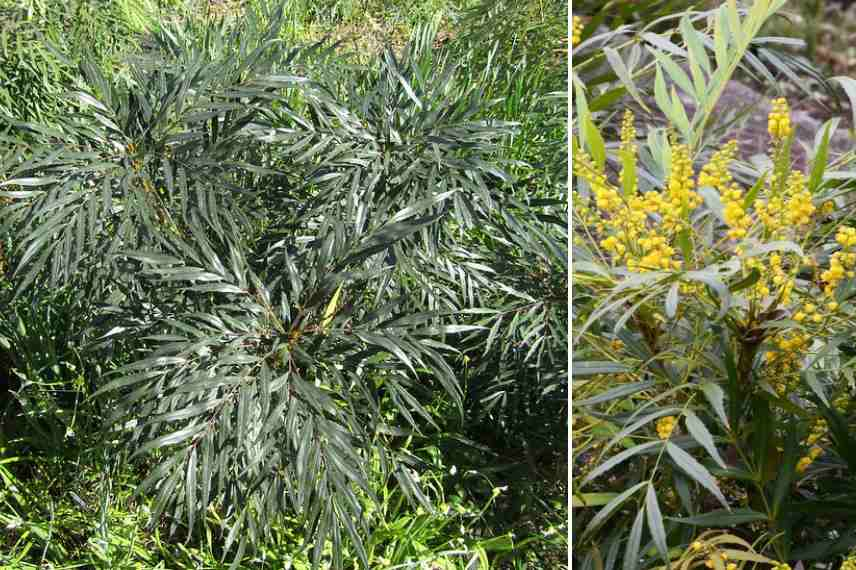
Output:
x,y
680,197
628,131
715,172
803,464
799,207
577,32
779,119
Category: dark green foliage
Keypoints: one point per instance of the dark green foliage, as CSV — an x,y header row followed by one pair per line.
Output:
x,y
277,258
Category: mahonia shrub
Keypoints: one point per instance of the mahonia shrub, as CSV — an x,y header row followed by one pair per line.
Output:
x,y
712,316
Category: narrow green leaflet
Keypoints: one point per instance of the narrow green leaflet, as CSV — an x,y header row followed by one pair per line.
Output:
x,y
696,471
614,393
593,367
625,455
603,515
702,435
596,146
818,166
722,518
716,396
631,551
620,69
655,523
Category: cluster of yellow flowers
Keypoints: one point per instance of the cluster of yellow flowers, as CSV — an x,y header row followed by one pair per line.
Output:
x,y
809,311
841,263
789,211
849,563
779,120
632,238
577,31
642,247
681,197
782,367
628,146
818,430
715,174
640,230
777,274
665,426
813,453
698,546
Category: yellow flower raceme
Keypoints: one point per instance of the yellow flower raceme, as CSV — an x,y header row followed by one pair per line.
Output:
x,y
782,367
807,460
628,145
779,120
577,32
799,208
665,426
840,266
628,132
736,218
681,197
606,196
715,172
